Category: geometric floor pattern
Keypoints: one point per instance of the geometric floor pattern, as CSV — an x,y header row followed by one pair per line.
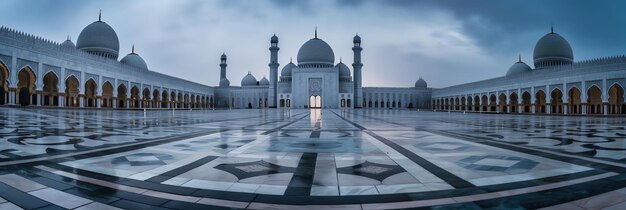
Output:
x,y
327,159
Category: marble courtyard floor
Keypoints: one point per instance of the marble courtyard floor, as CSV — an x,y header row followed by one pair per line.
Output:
x,y
322,159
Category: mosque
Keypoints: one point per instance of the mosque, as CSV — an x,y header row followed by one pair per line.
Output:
x,y
38,72
35,71
557,85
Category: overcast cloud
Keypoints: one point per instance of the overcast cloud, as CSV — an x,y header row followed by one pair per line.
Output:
x,y
446,42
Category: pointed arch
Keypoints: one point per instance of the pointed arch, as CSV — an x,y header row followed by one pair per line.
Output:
x,y
145,99
50,92
72,91
135,97
540,101
107,94
513,102
26,86
91,87
594,100
122,98
503,106
616,99
556,101
526,102
4,83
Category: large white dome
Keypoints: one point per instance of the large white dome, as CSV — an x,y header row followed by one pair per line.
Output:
x,y
316,53
552,49
518,67
248,80
100,39
134,60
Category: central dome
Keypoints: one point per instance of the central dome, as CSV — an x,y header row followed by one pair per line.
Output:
x,y
316,53
552,49
100,39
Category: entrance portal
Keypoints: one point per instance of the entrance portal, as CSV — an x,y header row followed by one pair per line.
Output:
x,y
315,102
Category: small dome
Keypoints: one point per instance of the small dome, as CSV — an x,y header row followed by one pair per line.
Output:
x,y
133,59
224,82
344,71
316,51
264,82
421,83
274,39
248,80
518,67
100,39
286,72
357,39
68,44
552,49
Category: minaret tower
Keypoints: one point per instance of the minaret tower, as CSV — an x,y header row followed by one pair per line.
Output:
x,y
223,66
357,65
273,71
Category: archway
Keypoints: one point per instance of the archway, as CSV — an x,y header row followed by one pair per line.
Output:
x,y
155,99
484,103
145,100
616,99
107,94
50,89
164,100
26,87
179,101
469,104
574,101
173,100
71,92
186,101
457,104
134,97
513,102
343,103
121,96
90,93
4,83
502,104
315,102
594,100
540,102
556,101
526,102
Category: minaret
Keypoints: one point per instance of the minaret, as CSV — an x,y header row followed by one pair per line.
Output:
x,y
223,66
357,65
273,71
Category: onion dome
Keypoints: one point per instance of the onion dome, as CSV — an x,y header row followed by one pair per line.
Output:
x,y
286,72
274,39
357,39
552,49
134,60
316,53
68,44
264,82
421,83
344,71
224,82
248,80
518,67
100,39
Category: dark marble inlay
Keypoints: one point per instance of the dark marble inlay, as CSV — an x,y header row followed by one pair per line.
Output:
x,y
252,169
371,170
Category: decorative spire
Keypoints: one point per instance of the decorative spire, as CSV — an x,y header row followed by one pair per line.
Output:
x,y
340,60
519,58
68,38
290,59
100,16
316,32
132,51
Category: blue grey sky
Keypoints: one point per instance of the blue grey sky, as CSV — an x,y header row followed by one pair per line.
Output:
x,y
446,42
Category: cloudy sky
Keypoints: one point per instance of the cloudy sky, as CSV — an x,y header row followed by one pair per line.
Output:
x,y
446,42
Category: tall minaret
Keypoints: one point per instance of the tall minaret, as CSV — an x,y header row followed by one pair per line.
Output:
x,y
357,65
273,71
223,66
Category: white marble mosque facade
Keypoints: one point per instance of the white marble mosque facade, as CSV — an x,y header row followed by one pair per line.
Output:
x,y
593,86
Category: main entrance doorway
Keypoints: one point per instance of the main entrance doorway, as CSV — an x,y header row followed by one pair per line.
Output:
x,y
315,102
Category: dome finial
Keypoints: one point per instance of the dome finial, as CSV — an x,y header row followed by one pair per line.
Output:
x,y
132,49
316,32
519,58
100,16
290,59
340,60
